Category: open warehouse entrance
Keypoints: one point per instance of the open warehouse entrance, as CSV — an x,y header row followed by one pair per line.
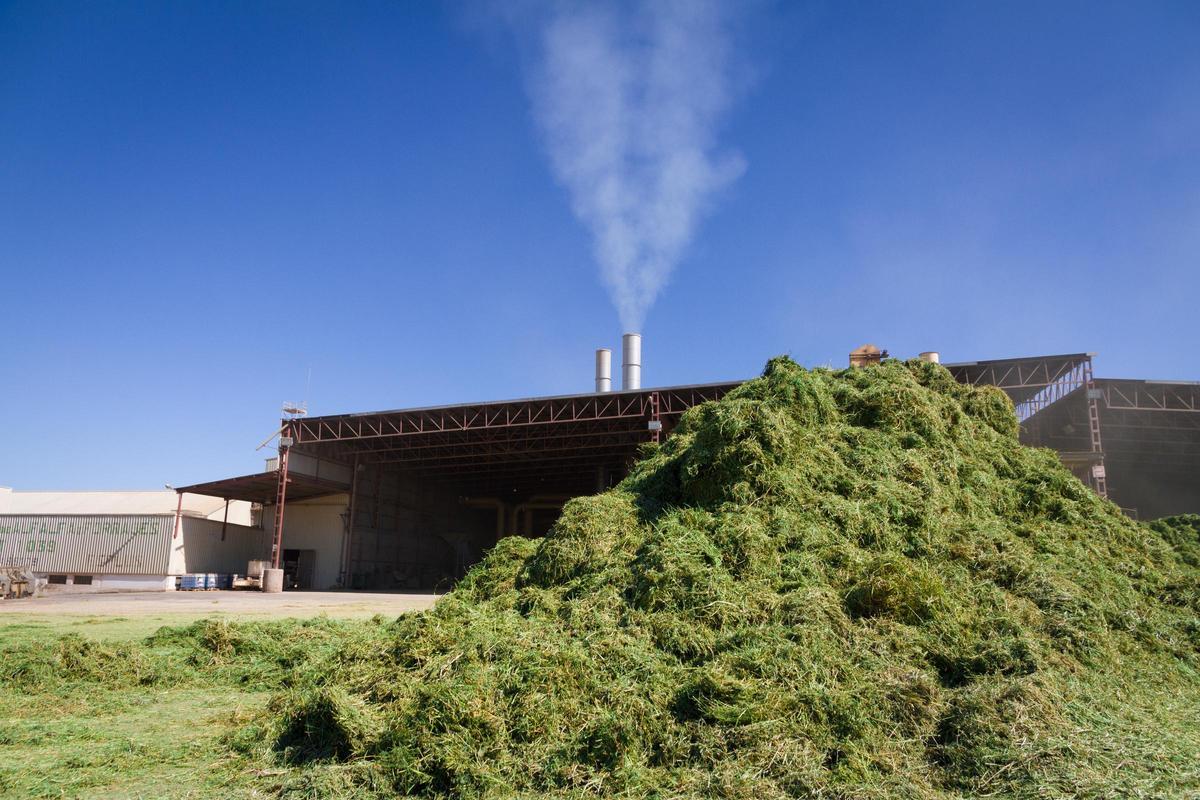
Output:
x,y
410,499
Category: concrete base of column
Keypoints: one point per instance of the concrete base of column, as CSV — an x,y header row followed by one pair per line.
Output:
x,y
272,580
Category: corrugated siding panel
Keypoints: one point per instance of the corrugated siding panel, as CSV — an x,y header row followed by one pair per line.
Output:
x,y
87,544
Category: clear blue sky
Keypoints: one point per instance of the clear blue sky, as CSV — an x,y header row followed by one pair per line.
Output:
x,y
201,201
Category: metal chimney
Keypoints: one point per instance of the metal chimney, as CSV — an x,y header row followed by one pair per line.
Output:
x,y
631,361
604,370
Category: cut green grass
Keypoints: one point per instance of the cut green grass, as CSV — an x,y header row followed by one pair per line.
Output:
x,y
20,628
123,744
110,717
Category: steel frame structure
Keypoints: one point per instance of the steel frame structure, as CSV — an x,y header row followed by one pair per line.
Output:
x,y
482,444
1032,383
1151,422
1042,382
1134,395
648,405
1068,380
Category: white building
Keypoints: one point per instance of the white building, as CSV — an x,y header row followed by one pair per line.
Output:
x,y
135,541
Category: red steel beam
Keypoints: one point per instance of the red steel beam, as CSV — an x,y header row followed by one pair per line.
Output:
x,y
497,437
500,415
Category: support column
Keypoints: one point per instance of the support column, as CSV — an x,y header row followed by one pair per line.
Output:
x,y
225,520
285,444
396,522
346,569
655,424
501,515
178,514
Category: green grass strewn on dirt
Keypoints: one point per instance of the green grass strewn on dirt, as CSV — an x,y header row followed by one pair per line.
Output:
x,y
84,716
122,743
21,628
851,584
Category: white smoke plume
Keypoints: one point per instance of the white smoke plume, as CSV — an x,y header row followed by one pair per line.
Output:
x,y
629,103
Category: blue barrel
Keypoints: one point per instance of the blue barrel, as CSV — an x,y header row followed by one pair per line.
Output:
x,y
190,583
210,580
224,581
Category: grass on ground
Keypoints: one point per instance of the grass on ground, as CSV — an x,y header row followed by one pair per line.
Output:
x,y
123,708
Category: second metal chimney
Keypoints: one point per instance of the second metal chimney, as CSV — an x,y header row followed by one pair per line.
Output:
x,y
631,361
604,370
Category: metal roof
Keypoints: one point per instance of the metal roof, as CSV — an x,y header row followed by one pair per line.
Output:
x,y
540,399
260,487
1018,360
546,444
1150,395
161,501
1020,378
534,445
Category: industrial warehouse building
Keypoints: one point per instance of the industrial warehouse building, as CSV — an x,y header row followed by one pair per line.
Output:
x,y
409,499
124,541
1136,442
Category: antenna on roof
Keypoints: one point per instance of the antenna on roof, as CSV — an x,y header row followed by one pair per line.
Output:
x,y
294,410
267,441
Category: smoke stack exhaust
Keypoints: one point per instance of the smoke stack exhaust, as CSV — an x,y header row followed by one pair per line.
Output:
x,y
603,370
631,361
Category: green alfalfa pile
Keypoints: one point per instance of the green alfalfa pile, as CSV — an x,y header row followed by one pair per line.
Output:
x,y
828,584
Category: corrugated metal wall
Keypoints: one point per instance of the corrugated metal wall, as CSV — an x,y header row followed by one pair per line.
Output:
x,y
87,544
200,546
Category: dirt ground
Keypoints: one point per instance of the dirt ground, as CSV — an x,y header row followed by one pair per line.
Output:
x,y
285,604
129,615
